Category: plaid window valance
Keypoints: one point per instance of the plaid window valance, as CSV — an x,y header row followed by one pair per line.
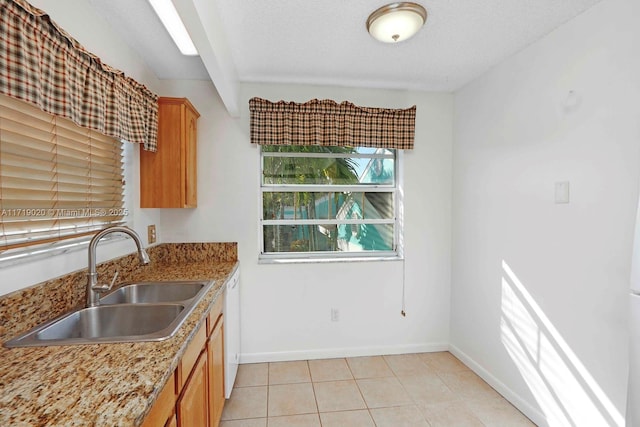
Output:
x,y
41,64
328,123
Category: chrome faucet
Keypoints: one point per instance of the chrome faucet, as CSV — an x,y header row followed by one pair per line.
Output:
x,y
93,289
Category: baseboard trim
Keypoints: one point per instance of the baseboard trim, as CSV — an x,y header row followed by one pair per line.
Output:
x,y
523,406
331,353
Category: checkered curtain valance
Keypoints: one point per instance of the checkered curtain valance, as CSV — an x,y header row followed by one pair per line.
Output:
x,y
325,122
41,64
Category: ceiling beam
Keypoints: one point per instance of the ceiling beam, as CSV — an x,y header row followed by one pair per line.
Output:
x,y
205,29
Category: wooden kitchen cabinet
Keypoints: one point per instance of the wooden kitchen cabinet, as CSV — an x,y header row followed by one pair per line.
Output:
x,y
194,395
164,407
192,381
168,177
190,357
215,353
193,407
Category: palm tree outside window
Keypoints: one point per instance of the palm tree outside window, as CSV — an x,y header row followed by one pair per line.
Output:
x,y
320,201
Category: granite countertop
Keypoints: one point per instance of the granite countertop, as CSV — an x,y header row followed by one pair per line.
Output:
x,y
100,384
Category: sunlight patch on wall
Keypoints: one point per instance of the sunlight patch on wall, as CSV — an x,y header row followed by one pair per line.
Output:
x,y
565,391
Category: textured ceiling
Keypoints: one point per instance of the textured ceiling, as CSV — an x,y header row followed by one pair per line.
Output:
x,y
325,42
138,24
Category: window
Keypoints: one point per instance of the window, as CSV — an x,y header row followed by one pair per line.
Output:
x,y
328,202
320,197
57,180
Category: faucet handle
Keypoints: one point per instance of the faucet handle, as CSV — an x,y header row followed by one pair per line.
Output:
x,y
105,287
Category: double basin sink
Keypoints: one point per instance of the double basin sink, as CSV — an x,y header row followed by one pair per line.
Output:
x,y
145,311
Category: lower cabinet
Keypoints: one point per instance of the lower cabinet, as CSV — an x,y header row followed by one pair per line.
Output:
x,y
194,395
173,422
193,408
164,408
215,353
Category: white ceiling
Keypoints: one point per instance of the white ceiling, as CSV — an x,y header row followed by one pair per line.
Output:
x,y
139,26
325,41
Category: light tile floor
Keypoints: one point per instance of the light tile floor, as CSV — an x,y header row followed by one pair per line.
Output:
x,y
407,390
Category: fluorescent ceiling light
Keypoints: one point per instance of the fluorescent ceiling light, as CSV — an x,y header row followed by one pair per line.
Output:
x,y
172,22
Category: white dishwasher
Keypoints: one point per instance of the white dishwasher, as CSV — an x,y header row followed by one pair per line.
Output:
x,y
231,332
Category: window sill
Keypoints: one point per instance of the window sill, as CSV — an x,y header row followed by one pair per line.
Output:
x,y
313,260
48,250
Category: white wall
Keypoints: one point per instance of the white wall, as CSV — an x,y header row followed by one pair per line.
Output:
x,y
539,290
94,33
286,308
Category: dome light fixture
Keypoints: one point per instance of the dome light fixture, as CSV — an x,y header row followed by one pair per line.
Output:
x,y
396,22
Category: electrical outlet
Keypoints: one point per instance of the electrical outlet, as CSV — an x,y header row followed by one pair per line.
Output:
x,y
335,315
151,234
562,192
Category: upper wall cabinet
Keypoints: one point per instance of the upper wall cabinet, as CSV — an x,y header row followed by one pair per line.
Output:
x,y
168,177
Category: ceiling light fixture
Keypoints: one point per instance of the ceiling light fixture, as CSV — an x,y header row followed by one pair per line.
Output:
x,y
396,22
172,22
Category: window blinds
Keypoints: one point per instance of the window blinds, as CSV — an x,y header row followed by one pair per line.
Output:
x,y
57,180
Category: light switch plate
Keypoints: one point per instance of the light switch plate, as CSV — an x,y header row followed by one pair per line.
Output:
x,y
562,192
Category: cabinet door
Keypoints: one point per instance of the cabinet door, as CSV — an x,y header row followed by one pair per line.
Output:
x,y
164,406
168,177
160,171
215,352
191,160
173,422
193,404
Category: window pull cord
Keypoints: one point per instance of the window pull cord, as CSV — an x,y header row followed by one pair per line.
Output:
x,y
402,312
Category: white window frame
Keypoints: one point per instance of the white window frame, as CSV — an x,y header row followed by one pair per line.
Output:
x,y
337,256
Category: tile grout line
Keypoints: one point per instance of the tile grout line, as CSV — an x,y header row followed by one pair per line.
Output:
x,y
313,389
413,400
459,398
315,398
355,380
457,395
360,390
268,389
314,392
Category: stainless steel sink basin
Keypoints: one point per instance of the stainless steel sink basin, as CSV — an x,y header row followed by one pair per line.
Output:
x,y
154,292
148,311
107,324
